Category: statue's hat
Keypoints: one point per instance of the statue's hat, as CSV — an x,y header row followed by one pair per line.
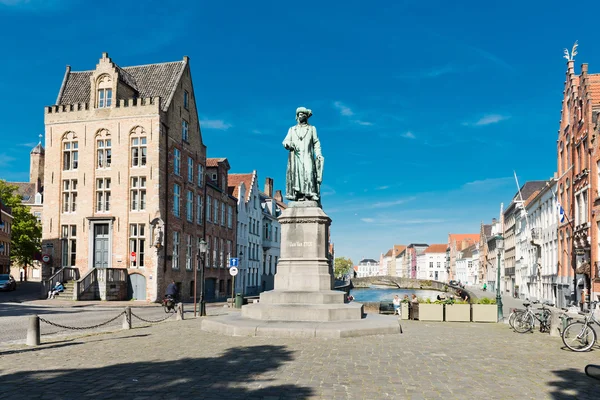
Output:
x,y
304,110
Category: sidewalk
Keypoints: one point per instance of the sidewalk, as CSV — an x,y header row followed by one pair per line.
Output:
x,y
508,302
57,303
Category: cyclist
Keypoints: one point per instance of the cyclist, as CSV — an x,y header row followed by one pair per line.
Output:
x,y
172,291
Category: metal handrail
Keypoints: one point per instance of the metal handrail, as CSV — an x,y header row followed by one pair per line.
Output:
x,y
62,275
85,282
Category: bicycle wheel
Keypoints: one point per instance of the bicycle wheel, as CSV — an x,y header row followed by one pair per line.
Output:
x,y
578,336
513,316
524,323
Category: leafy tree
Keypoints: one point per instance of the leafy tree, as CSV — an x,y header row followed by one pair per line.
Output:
x,y
342,266
26,235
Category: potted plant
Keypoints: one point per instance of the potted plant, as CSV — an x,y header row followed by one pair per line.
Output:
x,y
485,310
431,311
457,311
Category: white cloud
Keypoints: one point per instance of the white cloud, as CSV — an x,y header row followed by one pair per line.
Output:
x,y
218,124
485,184
367,220
382,187
385,204
363,123
30,144
408,135
344,110
487,120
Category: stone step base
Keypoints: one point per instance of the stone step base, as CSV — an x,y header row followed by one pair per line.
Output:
x,y
303,312
236,325
302,297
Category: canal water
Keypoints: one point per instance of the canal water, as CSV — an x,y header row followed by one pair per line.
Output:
x,y
386,293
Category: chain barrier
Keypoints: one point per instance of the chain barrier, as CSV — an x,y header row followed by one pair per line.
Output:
x,y
80,328
151,321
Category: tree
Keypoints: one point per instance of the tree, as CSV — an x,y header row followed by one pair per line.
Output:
x,y
26,234
342,266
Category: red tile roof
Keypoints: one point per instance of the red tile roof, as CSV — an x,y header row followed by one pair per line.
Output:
x,y
399,248
458,238
214,162
234,180
594,88
389,253
436,248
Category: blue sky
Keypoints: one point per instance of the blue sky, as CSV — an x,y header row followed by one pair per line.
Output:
x,y
424,109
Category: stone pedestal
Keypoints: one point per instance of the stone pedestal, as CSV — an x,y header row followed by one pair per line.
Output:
x,y
304,278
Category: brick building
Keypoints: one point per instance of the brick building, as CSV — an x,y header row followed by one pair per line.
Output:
x,y
127,174
577,191
5,231
221,221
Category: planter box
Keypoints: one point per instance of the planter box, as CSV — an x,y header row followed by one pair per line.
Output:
x,y
404,310
485,313
431,312
458,312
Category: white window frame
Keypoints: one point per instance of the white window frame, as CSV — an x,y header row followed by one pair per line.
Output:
x,y
229,216
189,207
175,260
201,175
176,200
190,167
188,252
208,209
185,130
104,97
103,188
137,244
177,162
103,153
69,245
69,195
199,209
139,151
186,100
138,193
70,155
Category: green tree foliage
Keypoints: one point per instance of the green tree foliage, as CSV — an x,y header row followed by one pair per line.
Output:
x,y
26,235
342,266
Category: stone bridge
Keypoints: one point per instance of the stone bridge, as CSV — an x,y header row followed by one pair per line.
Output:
x,y
402,283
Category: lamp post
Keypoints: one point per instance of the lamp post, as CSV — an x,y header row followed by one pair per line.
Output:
x,y
499,248
202,247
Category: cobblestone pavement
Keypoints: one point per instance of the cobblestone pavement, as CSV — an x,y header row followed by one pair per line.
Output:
x,y
176,360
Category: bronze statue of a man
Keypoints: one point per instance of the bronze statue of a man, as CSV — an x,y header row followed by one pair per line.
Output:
x,y
305,161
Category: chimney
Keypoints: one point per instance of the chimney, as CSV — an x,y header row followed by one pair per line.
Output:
x,y
278,196
269,187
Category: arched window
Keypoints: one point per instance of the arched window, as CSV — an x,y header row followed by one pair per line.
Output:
x,y
104,85
103,149
139,149
70,151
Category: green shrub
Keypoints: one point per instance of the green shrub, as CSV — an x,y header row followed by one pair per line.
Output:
x,y
486,300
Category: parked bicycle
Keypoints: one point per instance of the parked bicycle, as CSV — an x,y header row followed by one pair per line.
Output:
x,y
579,335
524,321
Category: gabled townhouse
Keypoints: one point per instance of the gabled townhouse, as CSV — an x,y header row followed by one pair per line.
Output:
x,y
432,264
456,243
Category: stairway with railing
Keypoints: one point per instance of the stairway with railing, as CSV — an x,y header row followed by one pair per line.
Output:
x,y
65,275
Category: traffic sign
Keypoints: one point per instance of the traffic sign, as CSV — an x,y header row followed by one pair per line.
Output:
x,y
46,258
233,271
233,262
133,255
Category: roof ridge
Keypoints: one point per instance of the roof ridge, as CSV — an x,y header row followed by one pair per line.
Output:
x,y
130,66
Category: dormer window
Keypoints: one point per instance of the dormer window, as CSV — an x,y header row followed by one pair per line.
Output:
x,y
104,97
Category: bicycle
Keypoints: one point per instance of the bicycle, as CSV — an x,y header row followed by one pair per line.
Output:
x,y
580,336
525,322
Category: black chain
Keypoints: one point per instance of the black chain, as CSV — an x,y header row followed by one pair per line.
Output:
x,y
80,328
150,321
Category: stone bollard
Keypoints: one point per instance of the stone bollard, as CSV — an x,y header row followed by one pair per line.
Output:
x,y
127,318
33,331
179,312
555,323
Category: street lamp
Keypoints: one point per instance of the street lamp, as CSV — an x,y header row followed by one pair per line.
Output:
x,y
202,247
241,273
499,248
